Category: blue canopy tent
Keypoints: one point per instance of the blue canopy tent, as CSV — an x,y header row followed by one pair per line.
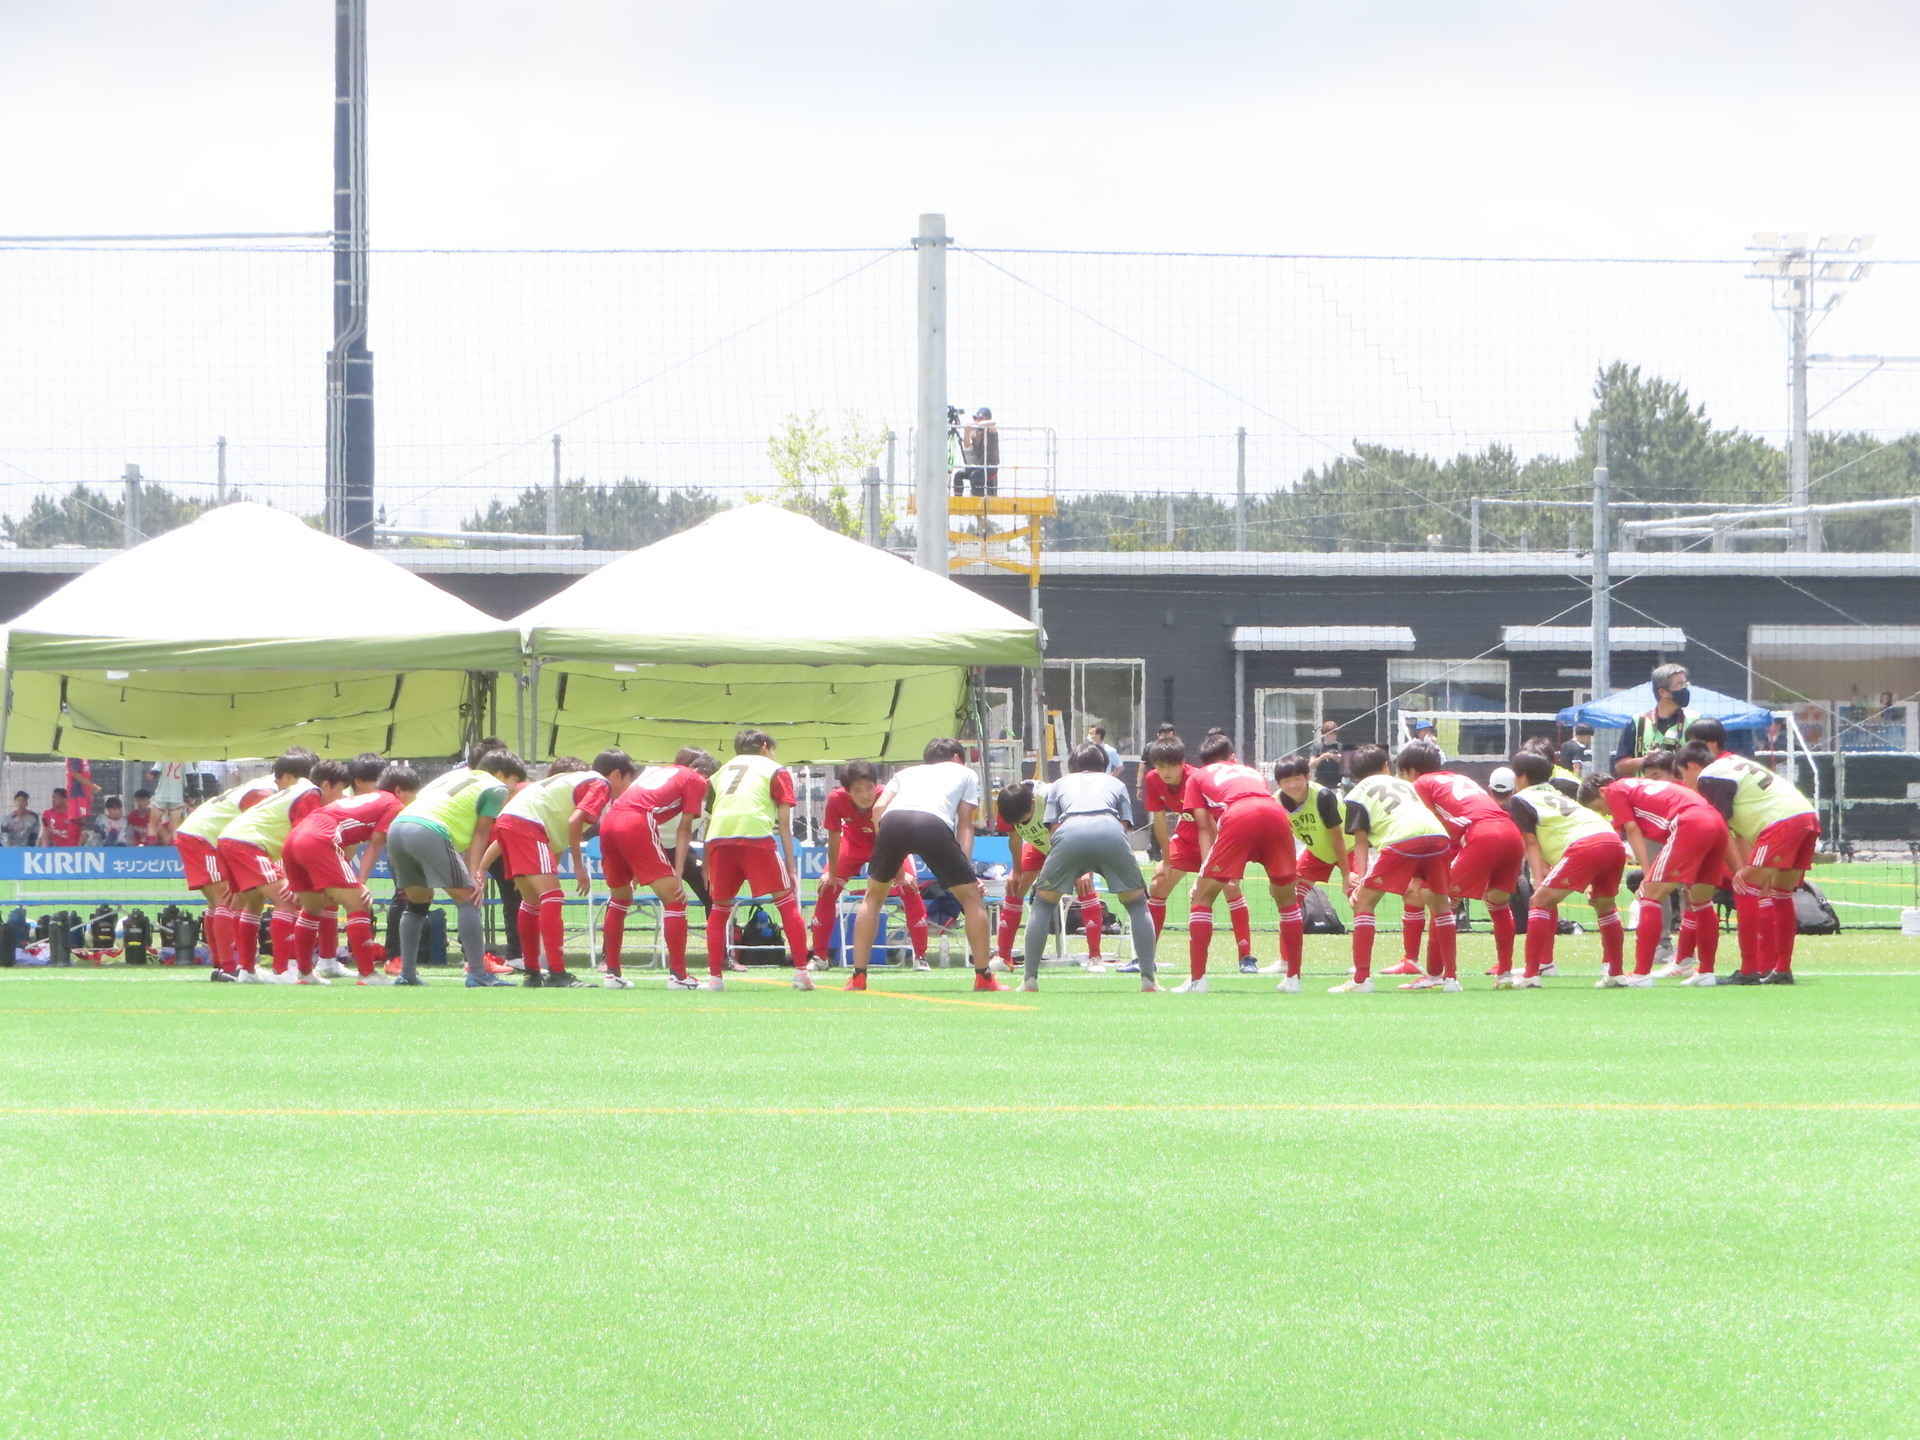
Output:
x,y
1622,709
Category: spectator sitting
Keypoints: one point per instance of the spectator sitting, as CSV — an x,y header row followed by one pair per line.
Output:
x,y
58,825
22,826
109,828
142,821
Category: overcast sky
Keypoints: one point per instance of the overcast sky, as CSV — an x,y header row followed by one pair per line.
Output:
x,y
1462,127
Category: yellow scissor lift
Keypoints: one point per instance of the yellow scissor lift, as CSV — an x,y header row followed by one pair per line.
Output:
x,y
1001,531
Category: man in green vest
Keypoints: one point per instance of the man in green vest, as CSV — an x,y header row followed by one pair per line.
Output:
x,y
1662,728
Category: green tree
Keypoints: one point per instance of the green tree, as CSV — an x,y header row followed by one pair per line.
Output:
x,y
96,518
820,470
623,516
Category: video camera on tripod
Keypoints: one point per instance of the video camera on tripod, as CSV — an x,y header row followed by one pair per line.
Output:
x,y
973,452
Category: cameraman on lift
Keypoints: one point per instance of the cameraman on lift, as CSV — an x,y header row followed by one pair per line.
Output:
x,y
979,454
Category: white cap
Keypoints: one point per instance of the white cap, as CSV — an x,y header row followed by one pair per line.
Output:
x,y
1501,781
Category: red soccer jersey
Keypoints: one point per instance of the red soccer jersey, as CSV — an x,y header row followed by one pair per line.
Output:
x,y
79,795
593,794
307,802
1457,803
665,791
1215,787
854,826
1161,797
352,820
1653,805
59,827
140,827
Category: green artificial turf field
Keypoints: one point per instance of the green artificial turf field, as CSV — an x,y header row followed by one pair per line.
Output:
x,y
344,1212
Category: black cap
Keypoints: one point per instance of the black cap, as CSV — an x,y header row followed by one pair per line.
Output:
x,y
983,413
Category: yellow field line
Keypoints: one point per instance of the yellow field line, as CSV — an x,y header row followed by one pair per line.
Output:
x,y
1359,1107
904,995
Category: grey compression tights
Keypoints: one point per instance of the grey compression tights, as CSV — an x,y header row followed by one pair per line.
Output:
x,y
1045,914
413,925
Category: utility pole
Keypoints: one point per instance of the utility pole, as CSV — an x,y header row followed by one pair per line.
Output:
x,y
1602,576
930,458
350,363
553,492
1240,490
873,506
1170,530
130,535
1799,491
220,469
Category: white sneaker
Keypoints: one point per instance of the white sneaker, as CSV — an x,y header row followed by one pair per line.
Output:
x,y
712,982
315,978
1425,982
288,976
1528,982
330,969
1191,987
1637,982
682,982
1097,967
1504,981
1149,987
1290,985
377,978
1611,982
1674,970
999,966
251,977
1030,986
1549,969
1278,967
1351,987
615,982
920,962
802,980
1699,979
1451,987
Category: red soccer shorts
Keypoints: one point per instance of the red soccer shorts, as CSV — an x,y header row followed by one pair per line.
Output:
x,y
1253,832
523,847
1787,844
1594,865
1031,860
1313,870
630,852
1420,857
1183,851
1695,852
247,867
756,864
313,864
200,860
1489,858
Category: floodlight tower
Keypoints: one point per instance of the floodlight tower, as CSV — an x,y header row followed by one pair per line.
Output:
x,y
349,362
1799,270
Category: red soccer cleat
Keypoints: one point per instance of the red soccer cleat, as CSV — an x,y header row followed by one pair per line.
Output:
x,y
1405,967
983,981
393,965
856,981
497,966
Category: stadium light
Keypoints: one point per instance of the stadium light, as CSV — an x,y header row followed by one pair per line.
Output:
x,y
1805,278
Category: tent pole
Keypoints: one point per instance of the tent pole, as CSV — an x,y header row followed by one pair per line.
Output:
x,y
533,713
6,714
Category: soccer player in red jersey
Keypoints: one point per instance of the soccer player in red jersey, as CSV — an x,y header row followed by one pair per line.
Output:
x,y
1399,848
850,826
750,843
1163,790
250,849
59,824
1650,808
1319,819
1487,846
1240,824
631,853
541,818
1570,849
314,860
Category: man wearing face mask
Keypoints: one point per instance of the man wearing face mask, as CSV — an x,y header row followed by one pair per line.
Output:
x,y
1662,727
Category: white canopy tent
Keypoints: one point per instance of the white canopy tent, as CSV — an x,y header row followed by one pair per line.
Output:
x,y
240,634
761,617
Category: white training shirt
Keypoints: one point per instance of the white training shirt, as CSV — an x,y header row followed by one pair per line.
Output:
x,y
934,790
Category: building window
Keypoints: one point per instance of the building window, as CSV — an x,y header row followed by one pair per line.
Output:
x,y
1110,693
1289,720
1453,690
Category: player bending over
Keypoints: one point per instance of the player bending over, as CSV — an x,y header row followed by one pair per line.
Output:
x,y
314,860
1571,849
1319,819
1399,848
1022,807
1240,824
1487,846
198,839
631,854
1087,811
250,851
850,826
750,842
542,817
436,843
1163,789
928,810
1652,808
1774,834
